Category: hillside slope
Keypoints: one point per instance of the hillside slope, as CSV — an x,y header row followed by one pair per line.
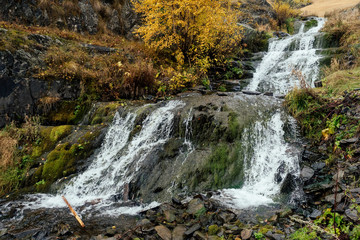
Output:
x,y
321,7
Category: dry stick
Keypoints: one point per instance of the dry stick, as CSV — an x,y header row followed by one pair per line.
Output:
x,y
73,212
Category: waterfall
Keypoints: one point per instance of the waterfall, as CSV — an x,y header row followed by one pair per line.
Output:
x,y
272,158
297,52
267,158
119,160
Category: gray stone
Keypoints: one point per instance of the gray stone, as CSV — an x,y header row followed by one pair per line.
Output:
x,y
179,232
163,232
355,190
273,236
318,166
227,216
251,92
352,214
3,231
110,232
195,206
200,236
315,214
246,234
307,173
89,16
192,229
346,142
339,175
289,184
331,198
169,215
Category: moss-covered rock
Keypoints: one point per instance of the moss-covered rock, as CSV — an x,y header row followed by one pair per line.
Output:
x,y
67,112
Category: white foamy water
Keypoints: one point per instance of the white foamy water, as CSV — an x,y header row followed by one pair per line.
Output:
x,y
118,161
272,158
296,52
268,158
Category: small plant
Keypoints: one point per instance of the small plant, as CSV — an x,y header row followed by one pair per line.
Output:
x,y
304,234
42,182
259,235
222,88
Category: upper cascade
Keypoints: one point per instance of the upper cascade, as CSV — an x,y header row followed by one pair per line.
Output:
x,y
288,62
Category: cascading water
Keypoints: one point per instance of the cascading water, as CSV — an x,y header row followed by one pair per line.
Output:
x,y
267,161
297,52
129,149
272,158
118,161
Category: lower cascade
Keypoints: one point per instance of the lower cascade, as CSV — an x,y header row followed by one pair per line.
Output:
x,y
270,160
156,151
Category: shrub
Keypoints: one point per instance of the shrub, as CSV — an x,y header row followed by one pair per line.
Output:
x,y
284,11
190,32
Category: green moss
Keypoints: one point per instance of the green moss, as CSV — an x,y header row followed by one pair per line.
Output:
x,y
225,166
200,212
68,112
234,127
57,133
310,24
213,229
290,25
49,136
265,229
105,113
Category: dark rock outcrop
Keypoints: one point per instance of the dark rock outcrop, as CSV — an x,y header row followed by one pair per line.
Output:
x,y
83,18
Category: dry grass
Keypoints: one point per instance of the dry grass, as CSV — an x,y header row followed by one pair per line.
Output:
x,y
321,7
7,150
46,104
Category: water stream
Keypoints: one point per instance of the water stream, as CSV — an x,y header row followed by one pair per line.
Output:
x,y
272,156
267,156
297,52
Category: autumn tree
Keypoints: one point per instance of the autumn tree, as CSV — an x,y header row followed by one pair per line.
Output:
x,y
192,32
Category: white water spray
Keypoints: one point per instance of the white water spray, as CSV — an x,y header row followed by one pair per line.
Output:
x,y
267,158
297,52
118,161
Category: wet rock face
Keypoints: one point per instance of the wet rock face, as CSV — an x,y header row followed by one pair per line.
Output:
x,y
20,92
86,20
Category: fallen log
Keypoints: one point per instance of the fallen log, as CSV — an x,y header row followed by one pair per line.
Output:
x,y
73,212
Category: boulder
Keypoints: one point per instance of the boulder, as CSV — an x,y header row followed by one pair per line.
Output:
x,y
163,232
352,214
246,234
179,232
307,173
289,184
195,206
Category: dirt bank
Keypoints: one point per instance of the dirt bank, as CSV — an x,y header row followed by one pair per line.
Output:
x,y
320,7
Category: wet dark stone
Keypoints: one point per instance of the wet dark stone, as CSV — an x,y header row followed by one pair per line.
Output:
x,y
352,214
315,214
251,92
176,201
318,166
289,184
345,142
192,229
280,34
227,216
310,156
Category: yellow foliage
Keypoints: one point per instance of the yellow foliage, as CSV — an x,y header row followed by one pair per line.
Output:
x,y
190,31
284,11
